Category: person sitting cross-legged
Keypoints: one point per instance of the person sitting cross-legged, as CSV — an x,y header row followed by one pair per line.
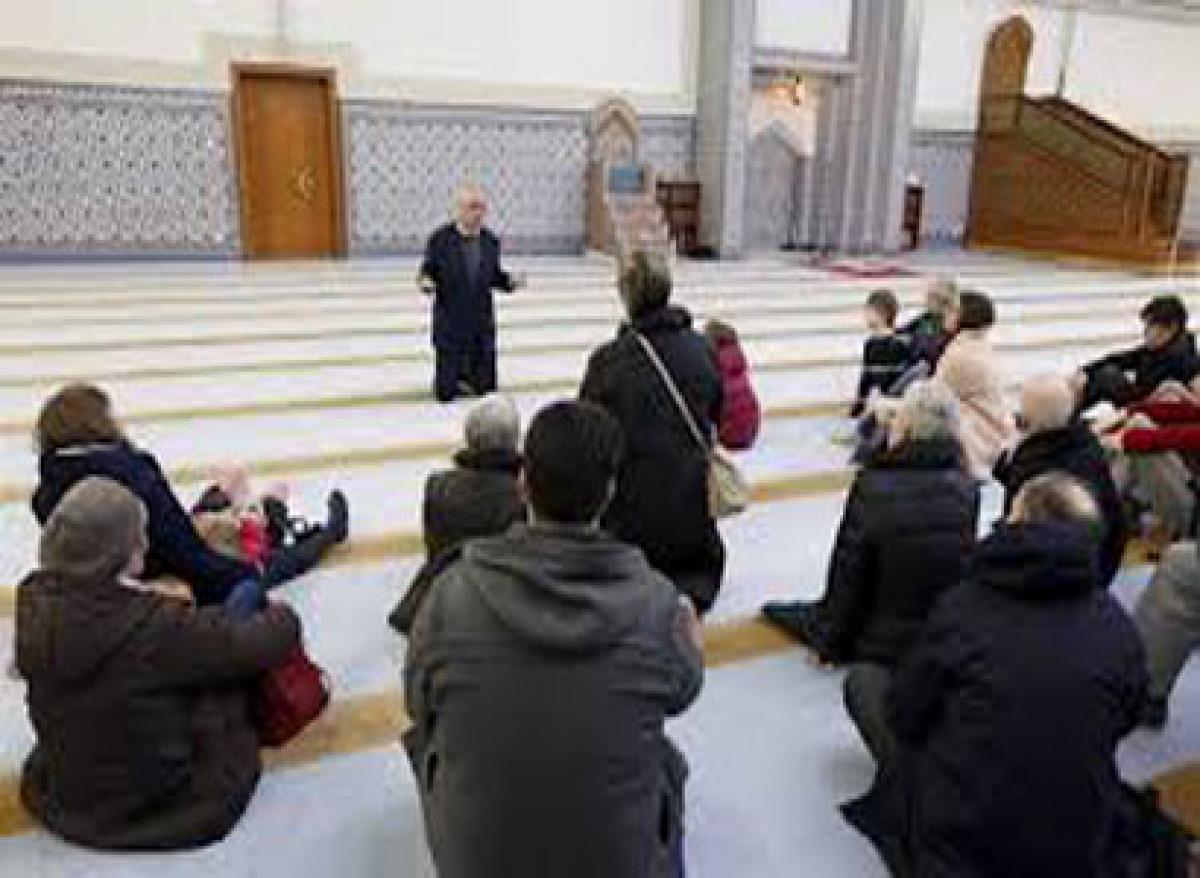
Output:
x,y
1168,618
139,701
996,739
905,535
540,670
1168,353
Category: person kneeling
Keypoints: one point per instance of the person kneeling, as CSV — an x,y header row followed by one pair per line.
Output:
x,y
139,702
998,756
906,533
540,670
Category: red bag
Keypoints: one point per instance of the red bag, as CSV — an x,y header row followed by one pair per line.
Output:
x,y
289,697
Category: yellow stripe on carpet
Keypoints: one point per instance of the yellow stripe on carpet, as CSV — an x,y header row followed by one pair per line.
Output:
x,y
415,395
366,722
407,544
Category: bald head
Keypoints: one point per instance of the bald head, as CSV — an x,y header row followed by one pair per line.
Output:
x,y
1047,403
470,207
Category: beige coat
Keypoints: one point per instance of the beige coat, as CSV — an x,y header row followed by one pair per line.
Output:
x,y
971,369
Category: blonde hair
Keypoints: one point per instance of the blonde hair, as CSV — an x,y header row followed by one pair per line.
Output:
x,y
941,296
644,283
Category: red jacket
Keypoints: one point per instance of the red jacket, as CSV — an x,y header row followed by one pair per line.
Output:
x,y
1178,430
741,415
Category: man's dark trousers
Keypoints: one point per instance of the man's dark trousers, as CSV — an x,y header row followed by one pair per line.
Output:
x,y
472,362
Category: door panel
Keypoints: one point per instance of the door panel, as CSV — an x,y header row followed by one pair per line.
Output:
x,y
290,203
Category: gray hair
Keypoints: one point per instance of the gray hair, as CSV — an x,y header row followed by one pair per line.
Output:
x,y
1055,496
493,424
930,411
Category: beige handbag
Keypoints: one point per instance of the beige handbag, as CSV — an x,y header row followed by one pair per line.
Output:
x,y
728,490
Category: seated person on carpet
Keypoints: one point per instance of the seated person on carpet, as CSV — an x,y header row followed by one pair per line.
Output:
x,y
970,368
661,505
77,436
540,671
997,738
886,355
480,497
140,703
1054,440
1168,353
1157,443
929,332
906,533
231,519
741,415
1168,618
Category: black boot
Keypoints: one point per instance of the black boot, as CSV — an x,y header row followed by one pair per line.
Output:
x,y
309,545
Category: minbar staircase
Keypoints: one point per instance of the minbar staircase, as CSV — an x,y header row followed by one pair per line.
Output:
x,y
1051,176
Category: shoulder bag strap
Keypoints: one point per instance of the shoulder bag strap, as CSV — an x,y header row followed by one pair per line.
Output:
x,y
680,403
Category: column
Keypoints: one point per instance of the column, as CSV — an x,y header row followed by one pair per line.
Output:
x,y
723,119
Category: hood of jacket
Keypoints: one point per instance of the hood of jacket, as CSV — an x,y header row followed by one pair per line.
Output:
x,y
669,318
562,589
499,460
1036,562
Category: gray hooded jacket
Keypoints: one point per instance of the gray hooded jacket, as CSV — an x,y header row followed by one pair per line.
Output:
x,y
540,671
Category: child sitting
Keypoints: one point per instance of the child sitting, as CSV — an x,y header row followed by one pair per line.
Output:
x,y
259,530
741,415
886,355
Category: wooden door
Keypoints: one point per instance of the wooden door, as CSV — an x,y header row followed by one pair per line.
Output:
x,y
289,158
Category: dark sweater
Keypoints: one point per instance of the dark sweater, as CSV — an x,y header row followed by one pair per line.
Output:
x,y
176,549
885,359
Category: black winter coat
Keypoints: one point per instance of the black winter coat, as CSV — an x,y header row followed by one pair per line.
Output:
x,y
1009,710
1177,361
1076,451
661,504
908,528
141,707
463,313
176,549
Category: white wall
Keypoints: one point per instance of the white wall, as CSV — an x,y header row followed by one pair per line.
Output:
x,y
165,31
630,45
804,25
953,40
1144,75
538,52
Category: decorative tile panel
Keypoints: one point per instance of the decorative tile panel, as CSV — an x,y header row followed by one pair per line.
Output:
x,y
669,145
405,164
91,170
94,170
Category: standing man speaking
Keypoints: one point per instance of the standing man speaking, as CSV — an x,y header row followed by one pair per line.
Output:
x,y
461,268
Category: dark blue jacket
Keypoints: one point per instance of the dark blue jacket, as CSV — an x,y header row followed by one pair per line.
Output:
x,y
1009,710
176,549
462,313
